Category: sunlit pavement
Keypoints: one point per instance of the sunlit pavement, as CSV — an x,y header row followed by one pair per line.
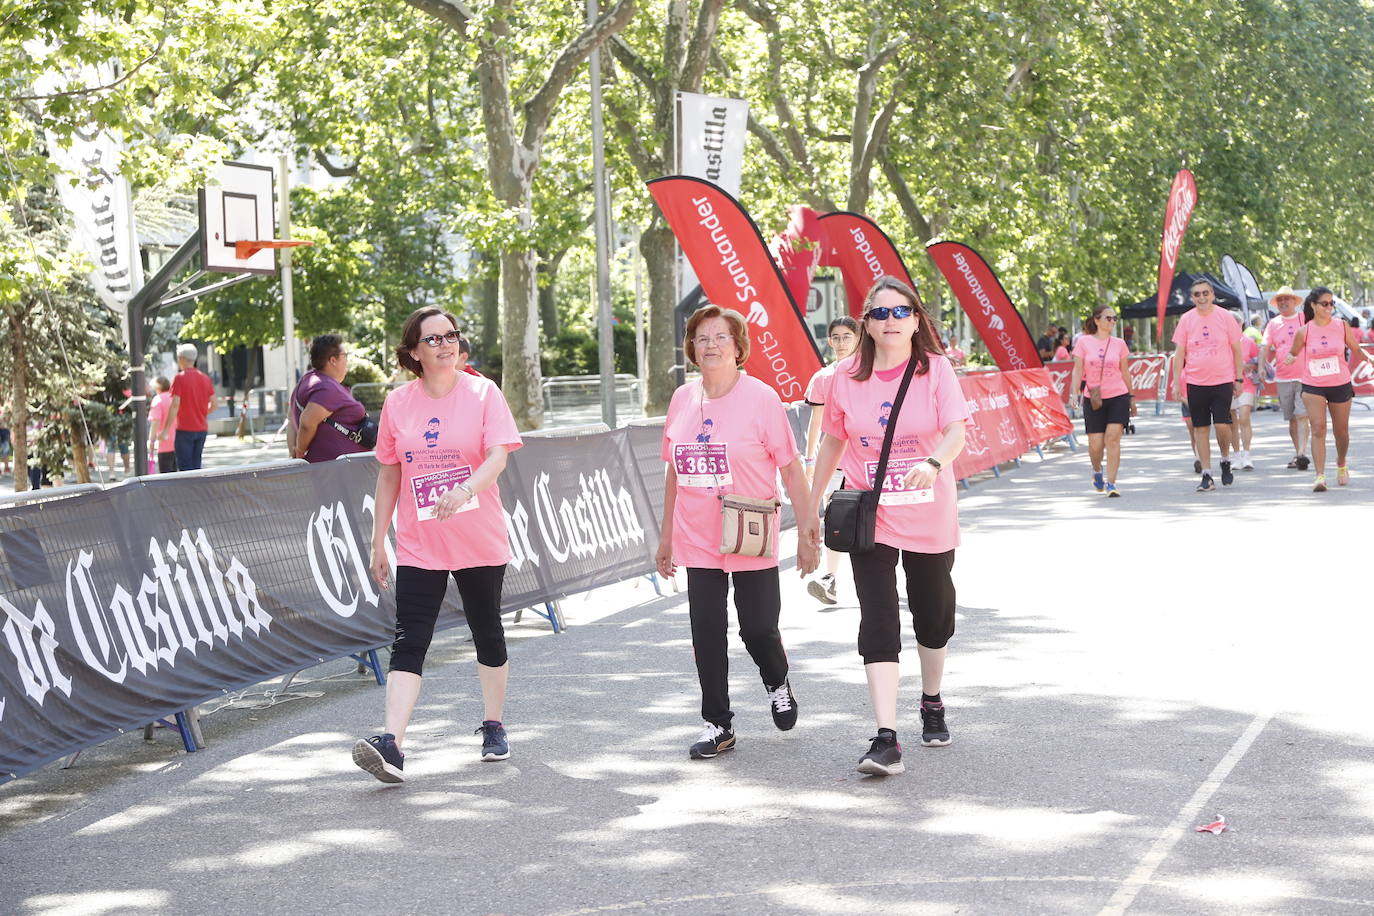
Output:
x,y
1123,671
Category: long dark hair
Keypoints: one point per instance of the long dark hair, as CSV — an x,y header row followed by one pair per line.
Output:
x,y
1313,294
923,341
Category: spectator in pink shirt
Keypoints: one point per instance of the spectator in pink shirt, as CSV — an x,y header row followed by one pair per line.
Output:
x,y
442,443
161,431
727,433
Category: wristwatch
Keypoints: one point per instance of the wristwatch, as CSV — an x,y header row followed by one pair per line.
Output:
x,y
935,463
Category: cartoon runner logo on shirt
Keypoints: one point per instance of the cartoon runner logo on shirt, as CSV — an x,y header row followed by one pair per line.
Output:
x,y
707,427
432,434
884,413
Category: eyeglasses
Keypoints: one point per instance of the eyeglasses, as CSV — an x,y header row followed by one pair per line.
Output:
x,y
720,340
1200,293
435,339
897,311
1326,302
841,338
1106,317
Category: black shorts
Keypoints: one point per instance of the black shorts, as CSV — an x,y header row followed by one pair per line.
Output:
x,y
1113,410
1210,404
1336,394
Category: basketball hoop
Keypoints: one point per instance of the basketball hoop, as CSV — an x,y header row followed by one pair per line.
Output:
x,y
246,248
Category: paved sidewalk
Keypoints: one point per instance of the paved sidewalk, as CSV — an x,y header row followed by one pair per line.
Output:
x,y
1123,671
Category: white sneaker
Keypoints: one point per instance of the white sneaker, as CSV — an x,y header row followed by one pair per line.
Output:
x,y
823,589
1245,463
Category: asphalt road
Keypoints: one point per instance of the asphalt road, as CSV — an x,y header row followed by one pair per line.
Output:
x,y
1123,671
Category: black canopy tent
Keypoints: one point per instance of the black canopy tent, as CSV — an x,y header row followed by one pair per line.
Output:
x,y
1179,302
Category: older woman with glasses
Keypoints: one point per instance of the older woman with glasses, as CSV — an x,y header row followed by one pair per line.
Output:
x,y
1320,347
727,433
442,443
1101,367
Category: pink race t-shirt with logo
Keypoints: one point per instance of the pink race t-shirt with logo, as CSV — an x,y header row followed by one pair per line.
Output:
x,y
733,444
1208,338
1323,355
858,412
1278,335
447,437
1102,363
157,415
1249,350
818,389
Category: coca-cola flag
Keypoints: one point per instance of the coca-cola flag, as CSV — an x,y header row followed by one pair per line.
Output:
x,y
1147,371
992,434
797,250
863,253
1182,199
987,305
736,271
1038,407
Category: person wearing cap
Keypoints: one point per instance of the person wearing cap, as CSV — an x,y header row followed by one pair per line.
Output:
x,y
1207,370
1278,339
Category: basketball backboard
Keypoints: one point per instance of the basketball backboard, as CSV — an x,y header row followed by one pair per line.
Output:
x,y
236,206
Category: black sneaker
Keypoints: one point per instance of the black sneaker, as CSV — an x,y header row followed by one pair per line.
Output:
x,y
380,756
714,740
1206,484
934,732
1304,462
495,745
1292,465
1197,466
884,758
783,705
1227,478
823,589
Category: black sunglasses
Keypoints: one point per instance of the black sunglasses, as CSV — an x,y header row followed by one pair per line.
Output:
x,y
1107,317
897,311
435,339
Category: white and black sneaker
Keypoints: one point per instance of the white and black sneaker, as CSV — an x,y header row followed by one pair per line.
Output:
x,y
823,589
714,740
934,731
1206,485
884,758
380,756
783,705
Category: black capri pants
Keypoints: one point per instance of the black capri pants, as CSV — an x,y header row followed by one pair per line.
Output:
x,y
929,594
420,592
1210,404
758,604
1113,410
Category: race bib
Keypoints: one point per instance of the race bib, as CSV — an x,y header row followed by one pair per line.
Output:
x,y
1327,365
428,488
702,464
894,492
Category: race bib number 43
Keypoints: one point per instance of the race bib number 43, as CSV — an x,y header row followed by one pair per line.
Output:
x,y
895,492
428,488
702,464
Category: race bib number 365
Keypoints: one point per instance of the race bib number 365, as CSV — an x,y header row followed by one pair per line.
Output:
x,y
702,464
894,491
428,488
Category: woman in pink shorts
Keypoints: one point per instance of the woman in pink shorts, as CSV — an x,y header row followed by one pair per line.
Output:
x,y
442,442
1320,345
727,433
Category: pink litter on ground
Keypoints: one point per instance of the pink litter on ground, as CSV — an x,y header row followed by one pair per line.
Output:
x,y
1217,826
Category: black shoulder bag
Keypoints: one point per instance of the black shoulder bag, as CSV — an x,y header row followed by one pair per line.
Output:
x,y
851,518
365,435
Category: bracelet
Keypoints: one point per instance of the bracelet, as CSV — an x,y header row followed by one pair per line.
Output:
x,y
935,463
464,487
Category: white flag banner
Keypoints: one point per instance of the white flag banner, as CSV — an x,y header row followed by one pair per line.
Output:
x,y
710,144
99,198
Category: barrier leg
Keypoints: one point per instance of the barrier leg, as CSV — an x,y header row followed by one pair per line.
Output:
x,y
368,661
70,761
1073,443
193,720
1041,452
996,471
963,482
653,580
184,727
551,613
1017,461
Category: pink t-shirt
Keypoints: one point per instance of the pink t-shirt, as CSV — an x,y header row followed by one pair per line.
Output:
x,y
157,414
818,389
1249,358
1279,334
1102,364
1323,355
919,521
733,444
1208,339
1061,354
426,436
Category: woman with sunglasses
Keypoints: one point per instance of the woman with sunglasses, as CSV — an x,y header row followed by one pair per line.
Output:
x,y
727,433
918,522
442,442
1102,361
1320,344
843,336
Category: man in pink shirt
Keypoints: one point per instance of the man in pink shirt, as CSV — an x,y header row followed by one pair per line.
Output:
x,y
1278,339
1207,371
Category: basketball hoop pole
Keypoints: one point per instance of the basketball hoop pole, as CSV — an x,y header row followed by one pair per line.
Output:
x,y
288,302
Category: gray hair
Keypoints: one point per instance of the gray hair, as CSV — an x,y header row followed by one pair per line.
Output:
x,y
187,351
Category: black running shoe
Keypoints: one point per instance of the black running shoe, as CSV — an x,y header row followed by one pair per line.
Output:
x,y
1197,466
495,745
1304,462
783,706
884,758
1227,478
1292,465
714,740
1206,484
380,756
934,732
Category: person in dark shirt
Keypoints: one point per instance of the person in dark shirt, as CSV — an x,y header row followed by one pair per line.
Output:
x,y
320,401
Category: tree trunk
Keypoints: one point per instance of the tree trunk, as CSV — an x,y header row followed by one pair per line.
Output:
x,y
656,245
548,298
487,292
81,451
19,410
520,369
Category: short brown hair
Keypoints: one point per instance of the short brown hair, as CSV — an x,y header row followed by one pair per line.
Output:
x,y
410,337
739,330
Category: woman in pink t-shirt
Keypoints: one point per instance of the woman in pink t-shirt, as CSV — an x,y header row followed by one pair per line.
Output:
x,y
727,433
442,442
1320,345
1244,405
1102,361
160,433
918,521
843,336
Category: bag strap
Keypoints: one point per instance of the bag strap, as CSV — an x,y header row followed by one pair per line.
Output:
x,y
353,434
881,475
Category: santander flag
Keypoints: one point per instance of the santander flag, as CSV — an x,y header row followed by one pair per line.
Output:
x,y
797,249
736,271
987,305
863,253
1182,199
